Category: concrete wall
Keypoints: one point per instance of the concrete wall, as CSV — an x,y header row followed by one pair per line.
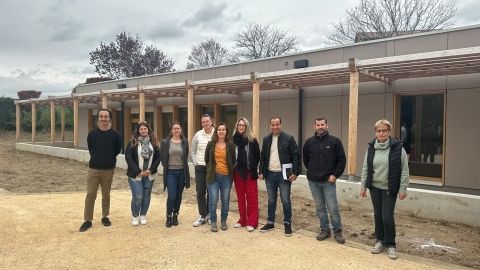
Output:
x,y
451,207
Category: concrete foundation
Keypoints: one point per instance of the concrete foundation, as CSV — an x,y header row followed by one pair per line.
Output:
x,y
451,207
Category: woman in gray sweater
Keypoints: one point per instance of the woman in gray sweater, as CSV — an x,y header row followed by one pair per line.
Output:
x,y
385,173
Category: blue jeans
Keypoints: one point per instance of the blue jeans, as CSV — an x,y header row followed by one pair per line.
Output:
x,y
325,196
383,209
274,181
175,183
222,184
141,194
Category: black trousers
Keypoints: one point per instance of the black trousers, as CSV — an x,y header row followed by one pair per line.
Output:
x,y
383,209
201,187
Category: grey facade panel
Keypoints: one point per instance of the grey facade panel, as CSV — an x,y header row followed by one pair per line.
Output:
x,y
463,39
325,57
227,71
366,51
420,44
461,149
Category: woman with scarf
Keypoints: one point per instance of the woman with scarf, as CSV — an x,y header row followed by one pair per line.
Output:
x,y
143,157
176,175
245,174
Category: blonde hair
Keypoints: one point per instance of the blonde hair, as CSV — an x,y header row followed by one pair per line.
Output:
x,y
383,122
248,129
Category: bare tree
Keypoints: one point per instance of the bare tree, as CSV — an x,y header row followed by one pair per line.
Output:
x,y
128,57
207,53
373,19
261,41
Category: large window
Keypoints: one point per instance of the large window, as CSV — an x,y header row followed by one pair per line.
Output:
x,y
421,130
229,116
183,119
166,123
136,118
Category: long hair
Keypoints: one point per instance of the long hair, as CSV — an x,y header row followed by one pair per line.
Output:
x,y
215,134
171,130
136,134
248,129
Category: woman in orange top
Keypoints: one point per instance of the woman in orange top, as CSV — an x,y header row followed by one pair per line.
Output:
x,y
219,158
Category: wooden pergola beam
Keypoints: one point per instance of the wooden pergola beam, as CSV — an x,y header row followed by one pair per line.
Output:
x,y
255,104
104,99
62,122
52,122
141,103
279,84
190,110
375,76
75,122
353,117
34,122
18,116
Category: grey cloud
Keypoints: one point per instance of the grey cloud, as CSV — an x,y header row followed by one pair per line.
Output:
x,y
65,26
467,12
165,30
9,86
212,16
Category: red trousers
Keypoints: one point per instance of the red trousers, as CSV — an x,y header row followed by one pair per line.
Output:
x,y
247,195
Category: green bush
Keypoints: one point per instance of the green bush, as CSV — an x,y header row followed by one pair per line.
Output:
x,y
7,113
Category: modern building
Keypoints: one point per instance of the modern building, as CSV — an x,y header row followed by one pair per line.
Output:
x,y
426,84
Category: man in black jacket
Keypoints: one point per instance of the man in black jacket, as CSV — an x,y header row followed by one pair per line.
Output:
x,y
278,149
104,144
324,158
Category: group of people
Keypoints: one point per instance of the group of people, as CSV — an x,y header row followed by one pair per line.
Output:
x,y
221,160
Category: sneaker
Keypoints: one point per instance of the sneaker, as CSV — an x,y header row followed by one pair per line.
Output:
x,y
250,229
207,218
267,227
106,222
213,227
323,235
224,226
85,226
143,220
135,221
378,248
339,237
237,225
199,222
392,253
288,229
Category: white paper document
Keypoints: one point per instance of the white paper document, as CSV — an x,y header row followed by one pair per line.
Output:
x,y
287,170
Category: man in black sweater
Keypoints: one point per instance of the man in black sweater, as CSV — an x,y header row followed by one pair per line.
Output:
x,y
104,144
324,159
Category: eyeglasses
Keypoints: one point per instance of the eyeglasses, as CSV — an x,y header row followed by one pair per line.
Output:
x,y
382,130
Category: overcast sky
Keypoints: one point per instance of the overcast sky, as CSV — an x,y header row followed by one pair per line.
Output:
x,y
45,44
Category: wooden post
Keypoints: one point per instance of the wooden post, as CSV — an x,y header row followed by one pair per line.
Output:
x,y
158,127
175,113
52,122
217,111
34,122
18,127
104,100
255,105
62,120
75,122
127,124
141,101
353,118
190,110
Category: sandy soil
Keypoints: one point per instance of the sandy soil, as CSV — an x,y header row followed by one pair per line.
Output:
x,y
34,226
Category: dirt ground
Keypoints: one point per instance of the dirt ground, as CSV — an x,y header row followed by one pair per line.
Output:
x,y
26,173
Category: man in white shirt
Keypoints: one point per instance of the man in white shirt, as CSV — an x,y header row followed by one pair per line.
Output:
x,y
197,155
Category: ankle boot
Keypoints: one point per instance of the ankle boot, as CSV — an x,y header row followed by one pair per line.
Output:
x,y
169,221
175,219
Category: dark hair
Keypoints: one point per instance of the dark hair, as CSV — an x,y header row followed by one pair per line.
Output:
x,y
321,118
181,129
105,110
215,134
276,117
206,115
136,134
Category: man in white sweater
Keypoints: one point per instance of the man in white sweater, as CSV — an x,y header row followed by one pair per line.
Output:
x,y
197,155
